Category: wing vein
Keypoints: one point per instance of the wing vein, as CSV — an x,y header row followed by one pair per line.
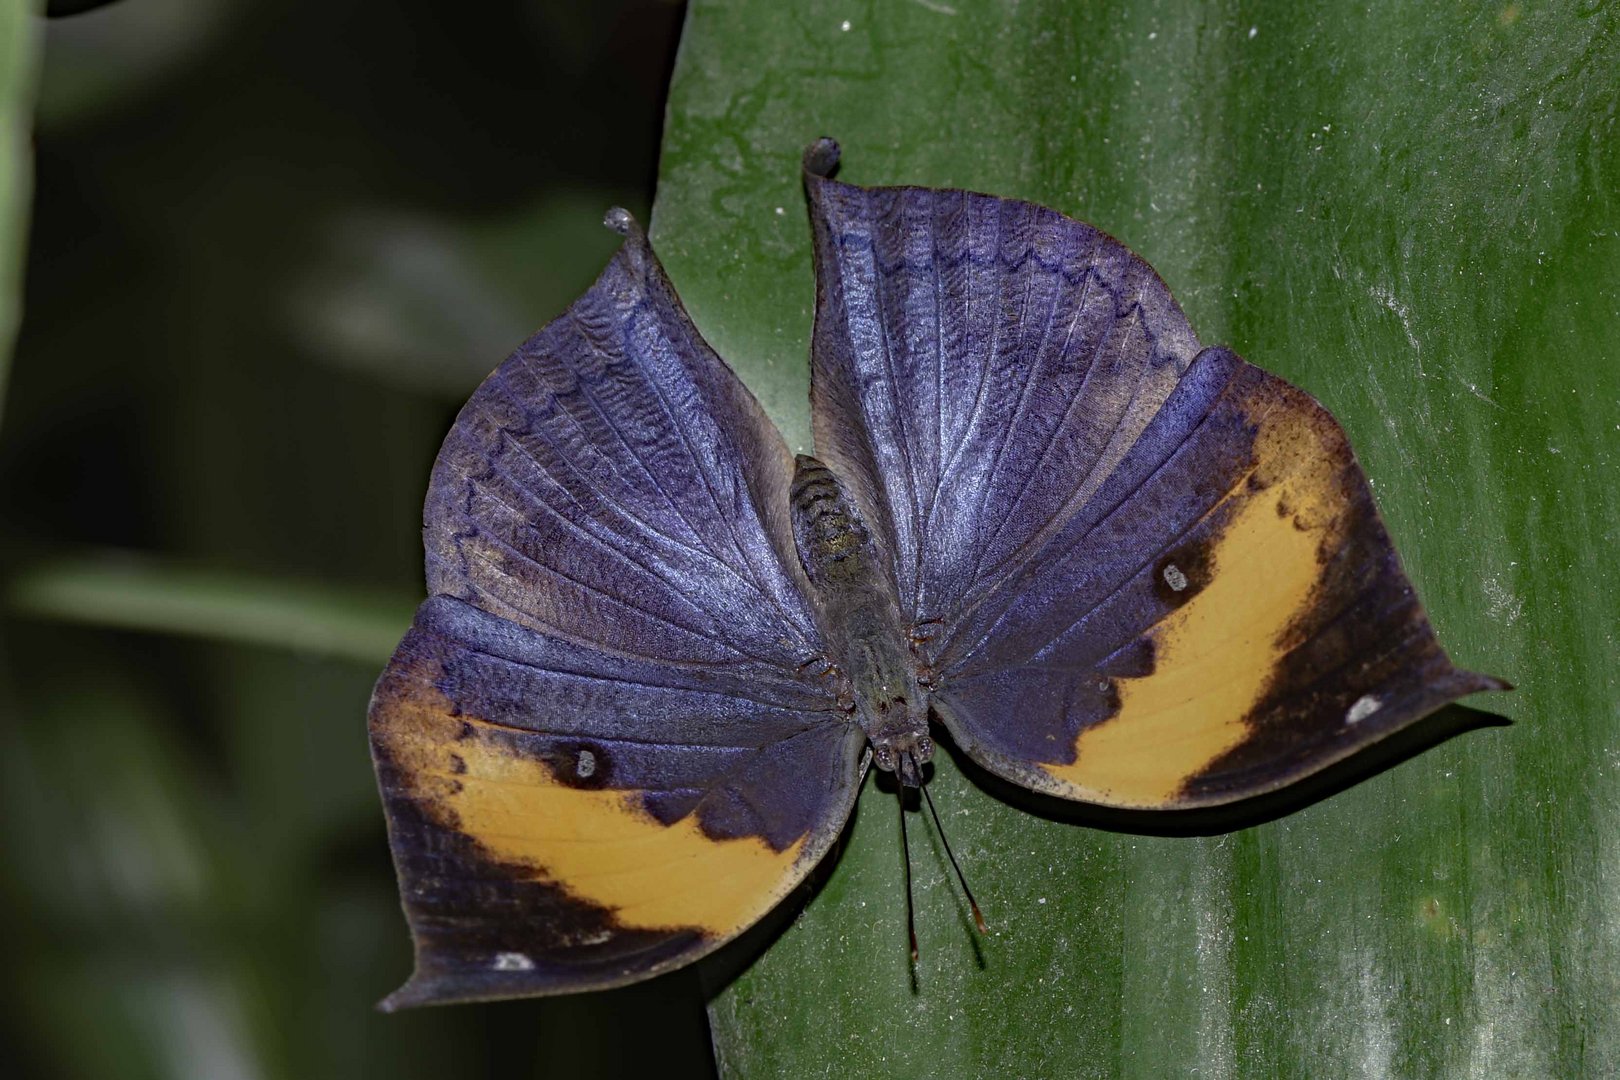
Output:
x,y
707,556
879,296
988,361
607,420
769,596
515,729
678,590
1051,440
602,593
1126,579
974,603
1023,402
607,497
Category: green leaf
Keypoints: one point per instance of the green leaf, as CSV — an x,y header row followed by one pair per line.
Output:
x,y
1409,211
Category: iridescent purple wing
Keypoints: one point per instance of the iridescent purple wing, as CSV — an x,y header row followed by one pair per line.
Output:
x,y
613,482
600,751
980,367
1142,573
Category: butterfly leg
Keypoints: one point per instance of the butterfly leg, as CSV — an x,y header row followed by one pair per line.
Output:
x,y
825,668
924,640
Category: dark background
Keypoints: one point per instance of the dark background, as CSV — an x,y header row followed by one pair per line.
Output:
x,y
274,246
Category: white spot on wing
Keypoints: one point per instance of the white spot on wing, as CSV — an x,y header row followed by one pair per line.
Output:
x,y
585,768
1365,706
1174,578
512,961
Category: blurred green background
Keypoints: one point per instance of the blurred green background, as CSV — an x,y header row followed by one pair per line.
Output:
x,y
273,246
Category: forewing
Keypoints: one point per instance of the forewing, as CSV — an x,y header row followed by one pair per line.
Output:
x,y
980,368
567,819
1147,575
613,482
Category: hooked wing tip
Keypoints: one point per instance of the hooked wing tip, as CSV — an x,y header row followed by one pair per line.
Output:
x,y
821,158
636,250
1492,682
406,997
621,221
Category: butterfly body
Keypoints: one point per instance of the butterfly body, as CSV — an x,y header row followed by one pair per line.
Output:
x,y
853,594
1118,567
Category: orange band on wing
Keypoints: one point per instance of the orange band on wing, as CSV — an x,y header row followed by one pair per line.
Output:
x,y
599,845
1215,655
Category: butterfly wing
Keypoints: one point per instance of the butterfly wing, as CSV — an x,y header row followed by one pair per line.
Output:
x,y
1149,574
598,753
614,482
567,819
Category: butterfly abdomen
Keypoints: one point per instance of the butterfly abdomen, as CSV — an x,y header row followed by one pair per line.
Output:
x,y
860,615
834,544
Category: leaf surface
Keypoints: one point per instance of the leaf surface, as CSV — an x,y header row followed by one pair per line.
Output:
x,y
1409,213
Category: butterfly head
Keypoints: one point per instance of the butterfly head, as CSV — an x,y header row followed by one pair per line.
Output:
x,y
904,754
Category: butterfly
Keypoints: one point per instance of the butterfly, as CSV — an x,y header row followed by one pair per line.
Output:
x,y
661,652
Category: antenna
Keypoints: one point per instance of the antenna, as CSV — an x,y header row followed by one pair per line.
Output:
x,y
978,918
911,920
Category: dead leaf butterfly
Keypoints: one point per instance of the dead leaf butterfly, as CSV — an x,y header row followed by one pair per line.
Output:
x,y
659,651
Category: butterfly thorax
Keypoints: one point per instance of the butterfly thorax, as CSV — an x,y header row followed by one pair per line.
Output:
x,y
860,620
